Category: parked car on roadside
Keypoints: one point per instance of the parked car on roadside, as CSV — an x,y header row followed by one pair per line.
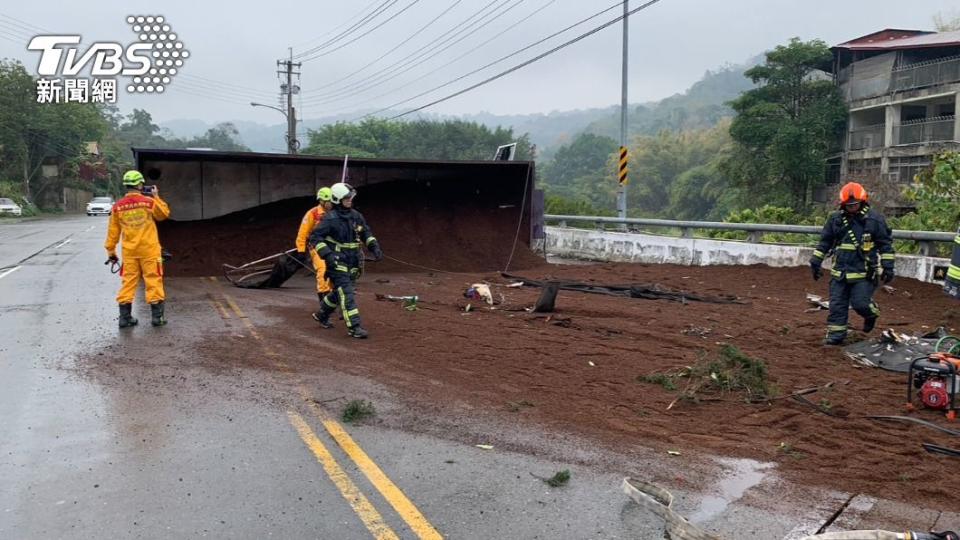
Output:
x,y
100,206
7,206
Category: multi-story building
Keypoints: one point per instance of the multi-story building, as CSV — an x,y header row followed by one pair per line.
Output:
x,y
903,89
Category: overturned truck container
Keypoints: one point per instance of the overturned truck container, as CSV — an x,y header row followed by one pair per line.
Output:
x,y
232,207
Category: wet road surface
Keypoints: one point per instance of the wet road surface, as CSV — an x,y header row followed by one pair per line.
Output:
x,y
144,433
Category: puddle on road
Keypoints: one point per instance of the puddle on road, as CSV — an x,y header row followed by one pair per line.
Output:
x,y
739,476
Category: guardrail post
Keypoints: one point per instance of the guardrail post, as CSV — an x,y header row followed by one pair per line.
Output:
x,y
926,248
686,232
598,225
563,223
755,237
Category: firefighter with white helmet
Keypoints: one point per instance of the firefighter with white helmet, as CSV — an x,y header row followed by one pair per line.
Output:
x,y
339,240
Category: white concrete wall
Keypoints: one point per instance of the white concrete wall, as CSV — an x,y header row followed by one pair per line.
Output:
x,y
612,246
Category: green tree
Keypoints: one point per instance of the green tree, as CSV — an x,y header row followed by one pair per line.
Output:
x,y
586,158
421,139
787,126
32,133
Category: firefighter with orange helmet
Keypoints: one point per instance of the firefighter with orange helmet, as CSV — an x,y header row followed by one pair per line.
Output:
x,y
862,247
134,219
310,220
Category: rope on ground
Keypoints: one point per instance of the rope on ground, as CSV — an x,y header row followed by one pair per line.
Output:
x,y
523,205
396,260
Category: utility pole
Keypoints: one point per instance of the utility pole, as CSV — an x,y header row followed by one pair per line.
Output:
x,y
289,89
622,163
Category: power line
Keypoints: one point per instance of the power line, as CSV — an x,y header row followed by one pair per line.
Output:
x,y
467,53
227,91
418,54
356,26
501,59
520,65
365,34
338,27
389,51
25,25
217,82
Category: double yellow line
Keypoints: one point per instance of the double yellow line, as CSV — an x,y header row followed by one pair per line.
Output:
x,y
360,504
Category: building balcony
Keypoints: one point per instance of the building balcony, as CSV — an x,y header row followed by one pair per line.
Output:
x,y
938,129
866,137
924,74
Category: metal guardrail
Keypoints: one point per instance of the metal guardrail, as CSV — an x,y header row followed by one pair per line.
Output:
x,y
755,230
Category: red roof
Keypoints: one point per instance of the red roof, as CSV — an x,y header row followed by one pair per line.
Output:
x,y
892,39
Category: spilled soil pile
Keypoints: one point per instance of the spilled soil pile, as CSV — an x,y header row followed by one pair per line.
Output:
x,y
590,368
445,230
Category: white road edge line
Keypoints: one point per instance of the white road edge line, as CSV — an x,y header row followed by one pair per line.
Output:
x,y
8,271
61,244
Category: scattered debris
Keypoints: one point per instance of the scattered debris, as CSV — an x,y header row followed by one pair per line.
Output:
x,y
648,291
484,446
548,298
888,289
692,330
382,280
910,419
591,363
729,370
818,302
357,410
479,291
516,285
559,479
673,452
893,351
516,406
937,449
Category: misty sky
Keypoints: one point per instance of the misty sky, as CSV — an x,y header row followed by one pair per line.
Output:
x,y
234,47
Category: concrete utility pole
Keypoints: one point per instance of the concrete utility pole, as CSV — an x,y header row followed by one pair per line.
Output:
x,y
622,163
288,65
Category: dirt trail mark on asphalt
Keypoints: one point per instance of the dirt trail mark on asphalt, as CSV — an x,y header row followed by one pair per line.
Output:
x,y
404,507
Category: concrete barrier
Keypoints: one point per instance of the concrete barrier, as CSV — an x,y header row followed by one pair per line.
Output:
x,y
597,245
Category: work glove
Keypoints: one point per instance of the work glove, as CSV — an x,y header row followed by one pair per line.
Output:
x,y
888,276
112,259
376,252
331,260
816,270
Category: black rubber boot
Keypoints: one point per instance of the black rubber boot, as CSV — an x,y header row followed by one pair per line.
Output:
x,y
869,323
357,332
322,316
323,319
156,314
834,340
126,318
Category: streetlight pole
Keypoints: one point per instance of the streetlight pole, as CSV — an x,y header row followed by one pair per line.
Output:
x,y
291,144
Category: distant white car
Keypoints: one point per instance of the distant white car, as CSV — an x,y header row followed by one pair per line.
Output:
x,y
7,206
100,206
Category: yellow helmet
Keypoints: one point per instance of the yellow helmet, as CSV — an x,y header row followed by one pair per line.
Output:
x,y
132,178
324,194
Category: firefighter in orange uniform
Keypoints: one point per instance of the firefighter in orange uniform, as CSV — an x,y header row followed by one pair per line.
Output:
x,y
311,219
135,217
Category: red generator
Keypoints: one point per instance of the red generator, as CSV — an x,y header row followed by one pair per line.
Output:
x,y
934,378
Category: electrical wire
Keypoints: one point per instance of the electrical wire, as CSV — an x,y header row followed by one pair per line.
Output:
x,y
26,25
512,69
336,28
418,54
467,53
365,34
356,26
389,51
217,82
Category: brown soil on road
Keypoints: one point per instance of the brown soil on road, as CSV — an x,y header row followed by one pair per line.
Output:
x,y
579,374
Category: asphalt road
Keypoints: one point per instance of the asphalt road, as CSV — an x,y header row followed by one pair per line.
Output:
x,y
146,433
